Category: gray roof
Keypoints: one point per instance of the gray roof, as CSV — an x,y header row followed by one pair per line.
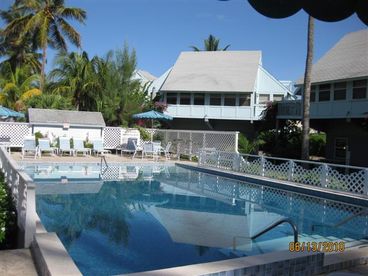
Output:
x,y
147,75
347,59
59,117
222,71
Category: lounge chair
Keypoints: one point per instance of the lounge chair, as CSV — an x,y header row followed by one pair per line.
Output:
x,y
151,148
78,146
44,146
98,148
132,147
29,146
166,150
64,146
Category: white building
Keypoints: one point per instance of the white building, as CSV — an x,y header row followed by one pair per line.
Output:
x,y
224,90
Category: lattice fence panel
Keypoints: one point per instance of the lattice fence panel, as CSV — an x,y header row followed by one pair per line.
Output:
x,y
15,131
220,141
112,137
305,176
279,171
353,182
251,167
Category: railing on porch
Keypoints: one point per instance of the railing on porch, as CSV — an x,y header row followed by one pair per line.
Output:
x,y
336,177
23,192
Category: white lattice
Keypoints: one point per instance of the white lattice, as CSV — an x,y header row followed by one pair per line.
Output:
x,y
305,176
280,171
112,137
15,131
253,167
353,182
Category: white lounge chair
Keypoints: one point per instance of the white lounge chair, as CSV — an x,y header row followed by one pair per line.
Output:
x,y
166,150
29,146
98,148
151,149
132,147
78,146
44,146
64,146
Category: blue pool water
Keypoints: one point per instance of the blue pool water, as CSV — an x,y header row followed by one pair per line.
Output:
x,y
135,218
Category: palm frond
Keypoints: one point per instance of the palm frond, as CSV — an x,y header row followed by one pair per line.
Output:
x,y
73,13
70,32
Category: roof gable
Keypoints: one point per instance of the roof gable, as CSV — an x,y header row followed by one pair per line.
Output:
x,y
60,117
347,59
214,71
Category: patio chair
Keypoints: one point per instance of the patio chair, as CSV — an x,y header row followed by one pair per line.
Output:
x,y
132,147
44,146
29,146
166,150
64,146
151,149
78,146
98,148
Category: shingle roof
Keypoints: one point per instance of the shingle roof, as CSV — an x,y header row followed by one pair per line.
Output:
x,y
223,71
347,59
60,117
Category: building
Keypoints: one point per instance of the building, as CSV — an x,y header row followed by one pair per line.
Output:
x,y
339,99
221,90
74,124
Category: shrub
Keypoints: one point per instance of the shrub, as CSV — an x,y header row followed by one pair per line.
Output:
x,y
246,146
317,143
8,217
38,135
145,135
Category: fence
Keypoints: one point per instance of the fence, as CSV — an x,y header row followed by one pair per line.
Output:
x,y
191,141
15,132
23,192
336,177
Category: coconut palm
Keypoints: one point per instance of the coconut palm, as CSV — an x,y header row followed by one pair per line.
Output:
x,y
211,44
75,76
18,86
45,20
52,101
307,88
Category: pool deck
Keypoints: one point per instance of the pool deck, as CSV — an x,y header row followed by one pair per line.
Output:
x,y
17,262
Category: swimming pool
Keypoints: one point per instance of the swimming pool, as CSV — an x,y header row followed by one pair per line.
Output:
x,y
131,218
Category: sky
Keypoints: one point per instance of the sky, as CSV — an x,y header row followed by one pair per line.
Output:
x,y
160,29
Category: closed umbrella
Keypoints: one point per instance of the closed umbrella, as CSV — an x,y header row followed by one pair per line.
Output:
x,y
6,112
152,115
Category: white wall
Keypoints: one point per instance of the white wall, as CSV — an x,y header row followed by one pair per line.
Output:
x,y
53,132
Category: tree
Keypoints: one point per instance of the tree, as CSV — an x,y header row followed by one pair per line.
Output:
x,y
18,86
45,21
75,76
211,44
307,88
53,101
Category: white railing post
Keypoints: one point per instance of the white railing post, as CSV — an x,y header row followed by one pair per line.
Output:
x,y
200,157
291,170
204,141
218,159
324,176
236,162
30,219
236,141
365,188
263,165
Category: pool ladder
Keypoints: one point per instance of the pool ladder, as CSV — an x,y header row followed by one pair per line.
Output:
x,y
277,223
103,160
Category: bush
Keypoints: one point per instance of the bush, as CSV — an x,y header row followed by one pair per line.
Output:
x,y
246,146
145,135
38,135
8,217
317,143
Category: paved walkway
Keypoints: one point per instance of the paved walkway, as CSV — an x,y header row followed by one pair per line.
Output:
x,y
17,262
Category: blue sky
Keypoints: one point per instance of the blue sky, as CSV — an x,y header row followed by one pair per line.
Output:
x,y
160,29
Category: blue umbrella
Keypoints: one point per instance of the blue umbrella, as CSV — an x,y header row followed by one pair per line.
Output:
x,y
6,112
152,115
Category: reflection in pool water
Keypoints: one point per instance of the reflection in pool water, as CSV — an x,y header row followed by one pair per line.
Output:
x,y
164,216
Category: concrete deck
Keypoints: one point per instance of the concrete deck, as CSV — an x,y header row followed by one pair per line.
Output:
x,y
17,262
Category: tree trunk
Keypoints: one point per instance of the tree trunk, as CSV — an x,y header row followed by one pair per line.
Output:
x,y
44,58
307,90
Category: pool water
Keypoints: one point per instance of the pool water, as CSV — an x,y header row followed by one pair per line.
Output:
x,y
139,218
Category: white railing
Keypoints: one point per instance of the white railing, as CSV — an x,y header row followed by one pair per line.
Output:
x,y
336,177
23,193
191,141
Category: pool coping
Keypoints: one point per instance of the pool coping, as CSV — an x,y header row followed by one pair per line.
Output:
x,y
335,195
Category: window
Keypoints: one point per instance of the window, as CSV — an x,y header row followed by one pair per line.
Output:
x,y
215,99
340,91
360,89
171,98
230,100
324,92
185,98
199,99
264,98
278,98
313,93
244,100
341,147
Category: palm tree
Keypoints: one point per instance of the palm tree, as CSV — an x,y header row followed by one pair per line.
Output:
x,y
53,101
18,86
75,76
307,89
45,20
211,44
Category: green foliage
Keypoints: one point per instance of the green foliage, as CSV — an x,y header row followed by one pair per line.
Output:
x,y
317,143
8,218
88,145
246,146
158,137
211,44
52,101
38,135
145,135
